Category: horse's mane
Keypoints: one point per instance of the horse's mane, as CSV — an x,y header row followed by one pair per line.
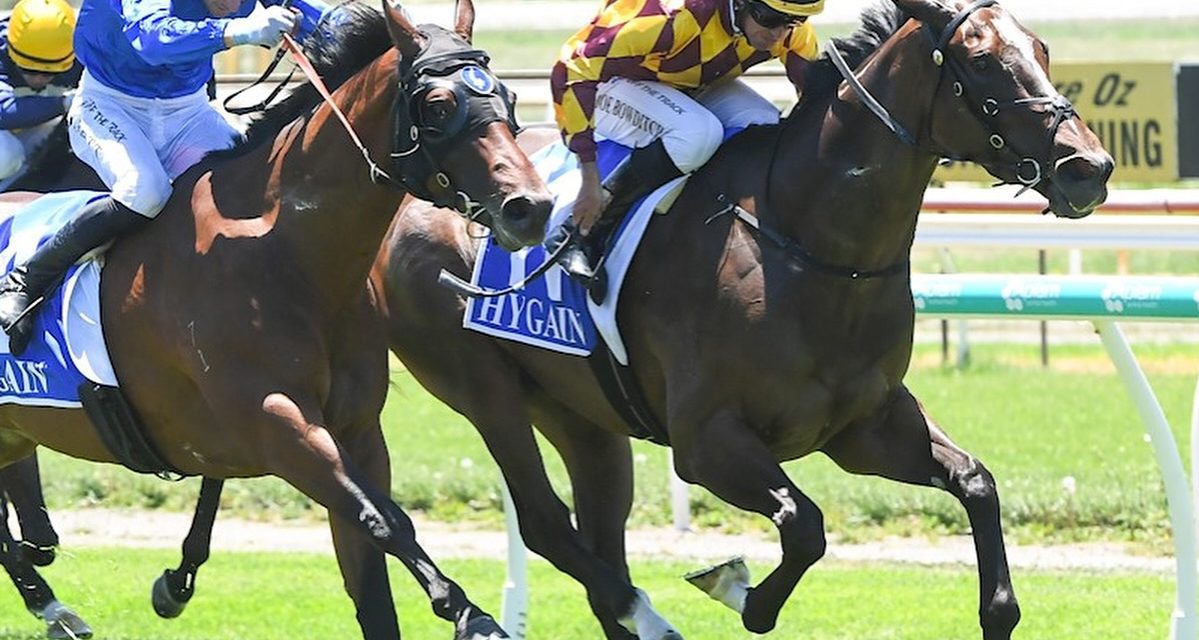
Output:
x,y
49,162
356,36
879,22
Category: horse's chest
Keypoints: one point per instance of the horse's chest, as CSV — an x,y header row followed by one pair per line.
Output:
x,y
820,407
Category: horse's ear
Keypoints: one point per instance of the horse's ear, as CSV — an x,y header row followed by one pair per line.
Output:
x,y
464,21
406,37
931,12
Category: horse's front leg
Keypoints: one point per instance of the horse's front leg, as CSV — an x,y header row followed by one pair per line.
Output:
x,y
61,621
904,444
22,483
722,454
311,459
363,564
601,479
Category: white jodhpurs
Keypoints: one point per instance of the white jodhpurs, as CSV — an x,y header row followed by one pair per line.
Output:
x,y
17,144
637,112
138,146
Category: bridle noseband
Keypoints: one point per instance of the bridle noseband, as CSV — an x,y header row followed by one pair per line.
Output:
x,y
480,99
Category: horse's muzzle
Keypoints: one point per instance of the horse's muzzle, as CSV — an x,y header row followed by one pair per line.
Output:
x,y
521,222
1078,184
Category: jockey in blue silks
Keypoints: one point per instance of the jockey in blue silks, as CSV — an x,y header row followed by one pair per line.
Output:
x,y
141,118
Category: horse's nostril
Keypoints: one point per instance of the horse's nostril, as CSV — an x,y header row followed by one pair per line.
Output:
x,y
516,209
1082,168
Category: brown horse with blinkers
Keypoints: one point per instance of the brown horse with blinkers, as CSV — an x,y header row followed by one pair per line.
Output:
x,y
769,315
240,324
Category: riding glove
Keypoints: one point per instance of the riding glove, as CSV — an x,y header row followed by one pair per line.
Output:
x,y
264,26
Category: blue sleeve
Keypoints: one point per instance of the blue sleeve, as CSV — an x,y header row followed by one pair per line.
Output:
x,y
161,39
311,13
20,113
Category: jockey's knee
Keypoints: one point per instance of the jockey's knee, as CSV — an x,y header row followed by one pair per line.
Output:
x,y
12,155
691,146
758,114
146,194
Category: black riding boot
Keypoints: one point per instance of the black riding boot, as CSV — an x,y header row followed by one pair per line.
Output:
x,y
23,288
646,169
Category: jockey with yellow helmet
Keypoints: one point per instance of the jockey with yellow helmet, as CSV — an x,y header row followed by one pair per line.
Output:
x,y
660,76
38,75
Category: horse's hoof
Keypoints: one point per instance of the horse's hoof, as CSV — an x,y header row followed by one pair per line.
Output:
x,y
480,627
62,623
726,583
166,603
475,625
761,618
645,623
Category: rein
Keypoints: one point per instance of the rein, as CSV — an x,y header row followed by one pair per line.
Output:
x,y
797,251
454,283
377,174
497,104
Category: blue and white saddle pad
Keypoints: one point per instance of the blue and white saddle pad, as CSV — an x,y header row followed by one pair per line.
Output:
x,y
553,312
68,343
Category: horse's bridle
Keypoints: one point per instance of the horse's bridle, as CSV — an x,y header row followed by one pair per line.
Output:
x,y
480,99
461,70
986,108
1027,170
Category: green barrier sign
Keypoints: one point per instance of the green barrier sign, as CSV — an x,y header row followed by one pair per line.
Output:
x,y
1074,297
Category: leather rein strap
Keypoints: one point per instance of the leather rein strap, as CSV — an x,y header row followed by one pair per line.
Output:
x,y
301,60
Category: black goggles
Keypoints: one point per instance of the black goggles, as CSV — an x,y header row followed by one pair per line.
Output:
x,y
770,18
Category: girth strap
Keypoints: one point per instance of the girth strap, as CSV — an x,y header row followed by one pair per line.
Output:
x,y
624,394
122,432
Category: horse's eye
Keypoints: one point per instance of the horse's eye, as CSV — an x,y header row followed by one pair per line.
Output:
x,y
439,109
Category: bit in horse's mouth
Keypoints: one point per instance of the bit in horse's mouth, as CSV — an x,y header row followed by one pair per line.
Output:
x,y
1063,207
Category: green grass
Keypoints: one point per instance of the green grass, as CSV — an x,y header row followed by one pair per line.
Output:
x,y
1032,427
1015,260
277,596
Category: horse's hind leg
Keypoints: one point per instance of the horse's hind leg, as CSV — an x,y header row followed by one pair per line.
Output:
x,y
905,444
22,483
729,459
175,587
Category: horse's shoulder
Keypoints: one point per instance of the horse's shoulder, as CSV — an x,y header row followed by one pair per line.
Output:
x,y
536,137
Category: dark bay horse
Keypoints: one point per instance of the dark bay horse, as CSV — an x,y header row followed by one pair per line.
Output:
x,y
755,346
240,323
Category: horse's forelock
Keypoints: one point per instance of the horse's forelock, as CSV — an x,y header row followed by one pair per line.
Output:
x,y
352,37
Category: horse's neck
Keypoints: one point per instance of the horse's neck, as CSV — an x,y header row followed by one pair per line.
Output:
x,y
856,187
331,212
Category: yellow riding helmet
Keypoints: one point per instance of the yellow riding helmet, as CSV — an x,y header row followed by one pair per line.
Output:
x,y
40,35
804,8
